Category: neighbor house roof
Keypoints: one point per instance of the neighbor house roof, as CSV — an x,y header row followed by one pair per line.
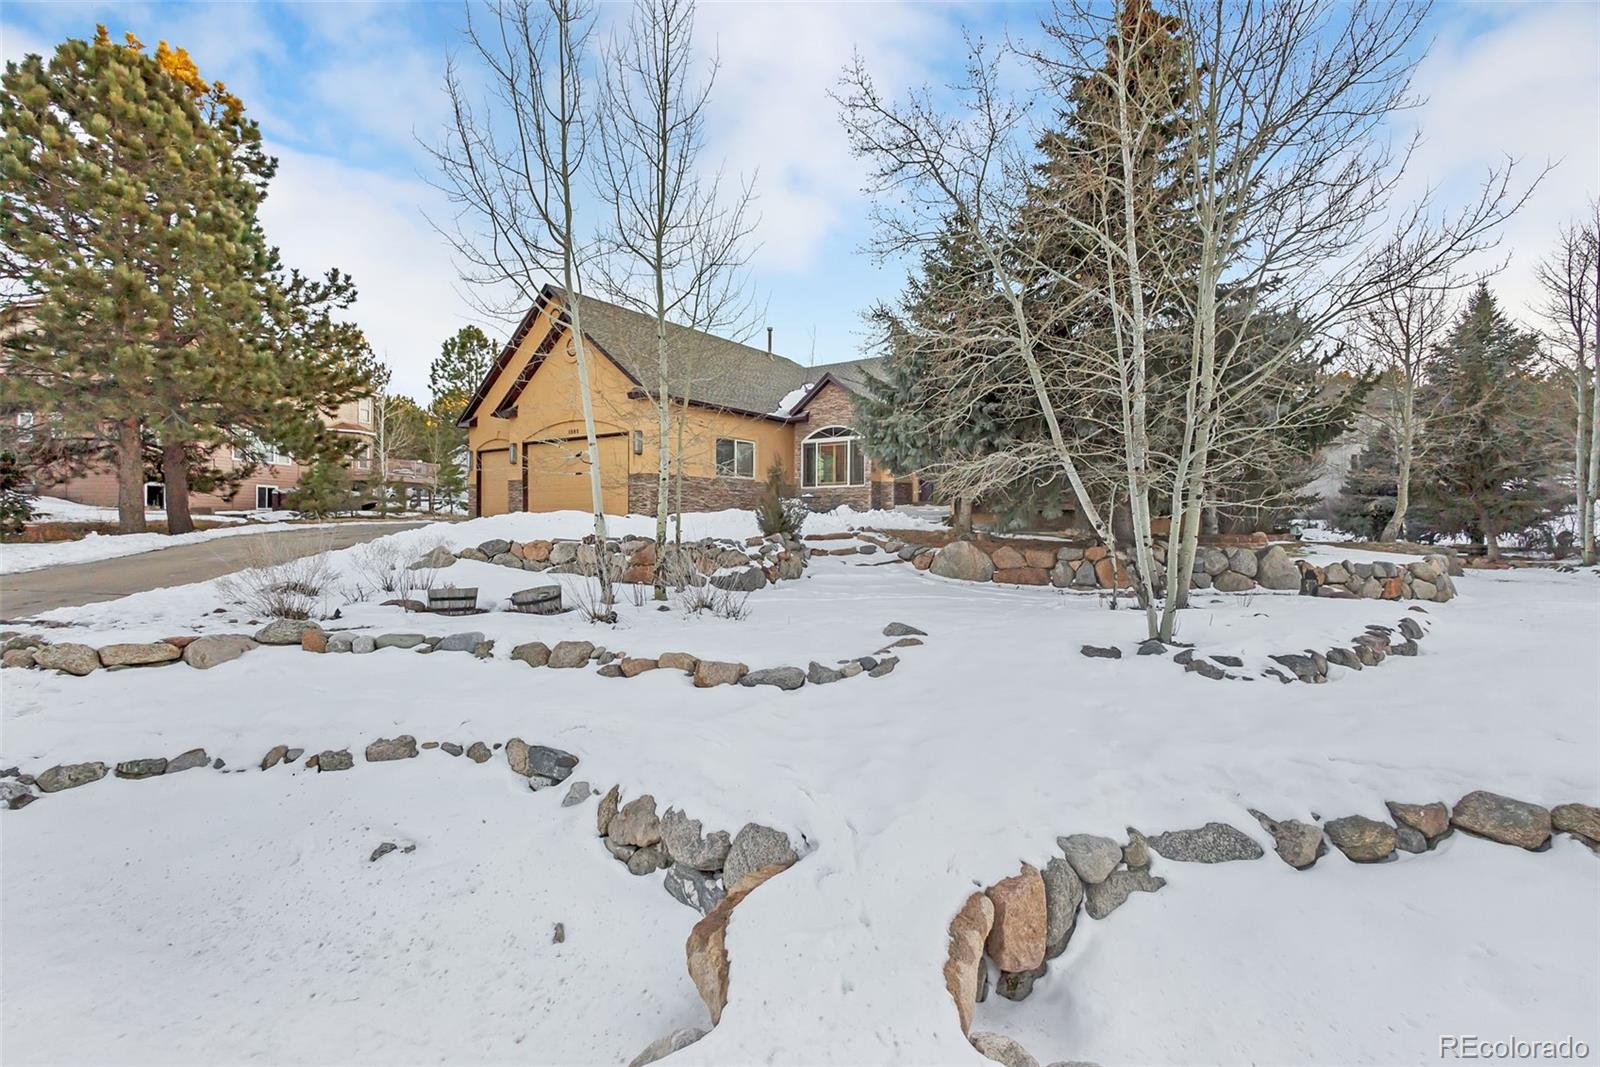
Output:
x,y
705,369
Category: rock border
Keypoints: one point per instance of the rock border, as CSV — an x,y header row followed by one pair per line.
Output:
x,y
1020,923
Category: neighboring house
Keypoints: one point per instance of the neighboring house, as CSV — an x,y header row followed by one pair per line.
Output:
x,y
742,409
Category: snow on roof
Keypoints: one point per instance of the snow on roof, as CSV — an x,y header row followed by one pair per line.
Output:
x,y
791,398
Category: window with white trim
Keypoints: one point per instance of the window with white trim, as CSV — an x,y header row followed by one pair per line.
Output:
x,y
736,458
833,456
268,497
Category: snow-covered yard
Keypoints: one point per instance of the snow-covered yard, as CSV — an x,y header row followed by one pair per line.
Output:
x,y
215,916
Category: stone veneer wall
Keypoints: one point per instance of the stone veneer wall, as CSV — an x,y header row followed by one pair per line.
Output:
x,y
831,407
699,494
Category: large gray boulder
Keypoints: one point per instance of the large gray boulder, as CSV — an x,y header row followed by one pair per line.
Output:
x,y
782,677
689,846
1502,819
743,580
1215,842
462,642
203,653
1103,898
754,847
1275,570
696,888
69,776
1231,581
1210,559
1063,893
963,560
551,763
495,546
1243,561
386,748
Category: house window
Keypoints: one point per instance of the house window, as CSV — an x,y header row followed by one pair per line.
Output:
x,y
735,458
511,449
155,495
364,411
268,498
832,456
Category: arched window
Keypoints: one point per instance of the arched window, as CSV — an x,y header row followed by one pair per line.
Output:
x,y
832,457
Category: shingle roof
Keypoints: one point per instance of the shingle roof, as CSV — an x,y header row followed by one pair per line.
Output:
x,y
705,369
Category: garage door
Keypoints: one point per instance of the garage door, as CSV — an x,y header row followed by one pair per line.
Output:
x,y
558,475
494,476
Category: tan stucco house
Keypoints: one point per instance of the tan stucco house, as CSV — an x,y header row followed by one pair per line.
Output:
x,y
742,409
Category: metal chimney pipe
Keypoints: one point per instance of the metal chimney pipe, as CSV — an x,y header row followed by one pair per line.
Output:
x,y
769,340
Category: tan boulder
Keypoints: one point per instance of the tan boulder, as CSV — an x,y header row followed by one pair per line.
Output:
x,y
636,823
1043,558
707,950
138,655
632,666
314,639
537,551
1109,573
1016,943
923,562
968,932
639,574
709,673
1580,819
1022,576
679,661
1007,558
1094,553
1429,820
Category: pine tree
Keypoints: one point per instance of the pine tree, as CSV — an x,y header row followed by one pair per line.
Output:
x,y
1366,499
1492,476
462,363
131,187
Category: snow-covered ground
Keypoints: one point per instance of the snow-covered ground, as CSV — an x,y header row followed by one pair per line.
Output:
x,y
213,916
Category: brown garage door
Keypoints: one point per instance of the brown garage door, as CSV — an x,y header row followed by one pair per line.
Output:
x,y
558,475
494,478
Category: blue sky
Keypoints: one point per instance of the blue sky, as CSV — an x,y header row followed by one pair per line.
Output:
x,y
344,90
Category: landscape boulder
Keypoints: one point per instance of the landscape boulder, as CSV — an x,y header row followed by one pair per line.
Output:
x,y
69,776
141,768
783,677
709,673
1091,856
1432,821
900,629
188,761
438,556
1361,839
636,823
1215,842
706,950
1299,844
1580,819
998,1048
385,749
963,560
693,887
689,846
533,653
68,658
1275,570
969,931
284,631
1017,940
755,848
1502,819
1103,898
207,652
138,655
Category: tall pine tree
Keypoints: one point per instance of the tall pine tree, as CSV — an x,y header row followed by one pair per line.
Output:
x,y
1493,475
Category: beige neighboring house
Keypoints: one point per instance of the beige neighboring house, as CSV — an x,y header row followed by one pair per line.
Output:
x,y
275,473
743,409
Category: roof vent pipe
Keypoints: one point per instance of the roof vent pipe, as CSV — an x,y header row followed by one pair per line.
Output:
x,y
769,340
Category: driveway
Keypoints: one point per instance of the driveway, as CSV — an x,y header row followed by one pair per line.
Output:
x,y
31,592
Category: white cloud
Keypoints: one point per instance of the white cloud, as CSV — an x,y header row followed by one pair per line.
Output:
x,y
771,112
1527,87
325,213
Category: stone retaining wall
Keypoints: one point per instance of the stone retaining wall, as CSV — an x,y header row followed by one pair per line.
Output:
x,y
754,562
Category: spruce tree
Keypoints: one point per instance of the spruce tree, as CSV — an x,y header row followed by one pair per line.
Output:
x,y
462,363
1493,473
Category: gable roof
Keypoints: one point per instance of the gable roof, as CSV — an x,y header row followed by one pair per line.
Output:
x,y
706,370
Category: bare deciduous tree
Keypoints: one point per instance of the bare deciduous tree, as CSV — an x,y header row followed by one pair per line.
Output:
x,y
1570,278
514,166
674,249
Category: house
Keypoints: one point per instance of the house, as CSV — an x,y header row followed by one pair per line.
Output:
x,y
735,409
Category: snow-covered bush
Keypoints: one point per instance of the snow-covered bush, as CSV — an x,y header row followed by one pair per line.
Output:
x,y
278,584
